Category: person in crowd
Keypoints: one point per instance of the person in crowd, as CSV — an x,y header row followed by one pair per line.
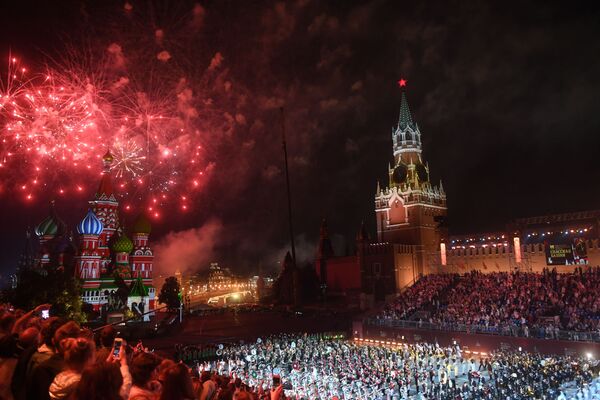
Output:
x,y
34,356
163,368
101,381
105,342
209,386
196,383
44,373
12,348
78,354
144,375
177,384
7,320
19,334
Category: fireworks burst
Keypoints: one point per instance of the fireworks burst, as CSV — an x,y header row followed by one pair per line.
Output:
x,y
135,92
55,127
129,159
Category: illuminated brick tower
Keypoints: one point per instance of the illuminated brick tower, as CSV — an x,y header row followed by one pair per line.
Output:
x,y
142,258
87,262
409,209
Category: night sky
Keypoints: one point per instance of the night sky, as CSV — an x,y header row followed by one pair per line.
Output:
x,y
505,95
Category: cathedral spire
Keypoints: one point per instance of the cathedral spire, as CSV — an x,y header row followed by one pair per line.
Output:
x,y
105,190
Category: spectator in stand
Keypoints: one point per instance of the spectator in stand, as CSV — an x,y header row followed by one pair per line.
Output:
x,y
78,354
514,303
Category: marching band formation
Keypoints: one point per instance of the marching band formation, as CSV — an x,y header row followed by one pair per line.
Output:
x,y
315,368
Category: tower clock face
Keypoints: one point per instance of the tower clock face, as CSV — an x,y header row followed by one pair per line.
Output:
x,y
422,173
399,174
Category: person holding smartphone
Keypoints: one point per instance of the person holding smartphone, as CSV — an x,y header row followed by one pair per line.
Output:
x,y
277,393
118,354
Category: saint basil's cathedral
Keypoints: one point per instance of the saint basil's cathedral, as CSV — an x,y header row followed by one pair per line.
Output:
x,y
103,252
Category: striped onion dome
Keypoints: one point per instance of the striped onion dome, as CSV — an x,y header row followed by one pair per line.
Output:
x,y
47,227
122,245
90,225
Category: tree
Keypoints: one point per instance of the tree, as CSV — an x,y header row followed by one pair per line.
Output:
x,y
170,293
59,288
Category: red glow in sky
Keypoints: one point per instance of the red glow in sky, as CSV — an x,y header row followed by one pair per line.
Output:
x,y
52,123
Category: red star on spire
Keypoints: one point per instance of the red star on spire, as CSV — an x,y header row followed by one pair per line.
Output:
x,y
402,82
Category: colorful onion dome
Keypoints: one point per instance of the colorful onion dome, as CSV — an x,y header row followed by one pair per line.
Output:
x,y
52,225
48,227
90,225
141,225
122,245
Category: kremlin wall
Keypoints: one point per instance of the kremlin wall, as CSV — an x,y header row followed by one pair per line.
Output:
x,y
412,237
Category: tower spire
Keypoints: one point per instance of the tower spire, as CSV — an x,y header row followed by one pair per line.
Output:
x,y
106,189
405,118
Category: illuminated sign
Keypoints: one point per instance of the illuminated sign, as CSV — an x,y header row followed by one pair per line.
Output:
x,y
570,253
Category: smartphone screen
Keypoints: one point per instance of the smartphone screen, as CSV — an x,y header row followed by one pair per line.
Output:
x,y
45,314
276,381
117,348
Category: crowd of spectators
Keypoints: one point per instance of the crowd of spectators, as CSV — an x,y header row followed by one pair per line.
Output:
x,y
504,302
53,358
57,359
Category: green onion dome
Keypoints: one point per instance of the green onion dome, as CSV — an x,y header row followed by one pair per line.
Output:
x,y
141,225
122,245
